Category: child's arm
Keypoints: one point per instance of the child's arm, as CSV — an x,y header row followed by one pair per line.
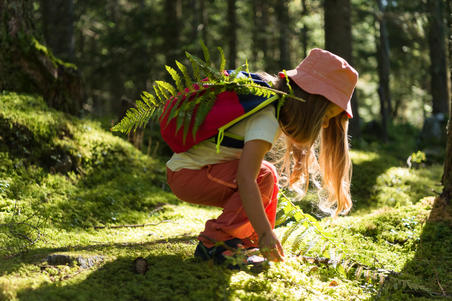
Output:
x,y
249,166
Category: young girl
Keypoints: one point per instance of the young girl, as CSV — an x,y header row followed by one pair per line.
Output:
x,y
246,186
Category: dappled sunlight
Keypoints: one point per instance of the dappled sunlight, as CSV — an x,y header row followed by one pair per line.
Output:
x,y
113,205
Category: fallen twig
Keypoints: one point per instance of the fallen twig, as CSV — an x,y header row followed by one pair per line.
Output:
x,y
439,284
133,226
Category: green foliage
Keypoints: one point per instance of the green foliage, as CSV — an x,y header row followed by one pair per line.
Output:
x,y
196,93
312,239
112,183
59,171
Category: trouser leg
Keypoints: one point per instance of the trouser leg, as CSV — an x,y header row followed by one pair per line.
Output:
x,y
215,185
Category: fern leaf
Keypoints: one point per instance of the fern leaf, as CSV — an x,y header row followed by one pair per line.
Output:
x,y
299,239
289,207
175,77
289,231
312,244
166,86
281,219
179,121
149,99
201,114
194,66
222,59
163,92
212,74
176,108
187,121
161,97
183,69
324,248
205,52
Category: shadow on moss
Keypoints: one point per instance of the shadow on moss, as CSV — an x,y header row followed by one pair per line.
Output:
x,y
170,277
428,275
39,255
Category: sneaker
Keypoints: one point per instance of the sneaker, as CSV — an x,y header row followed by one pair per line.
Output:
x,y
233,252
216,252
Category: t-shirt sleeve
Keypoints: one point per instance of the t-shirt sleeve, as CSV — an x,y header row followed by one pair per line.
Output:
x,y
262,126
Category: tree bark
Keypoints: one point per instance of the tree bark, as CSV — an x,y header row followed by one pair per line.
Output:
x,y
438,65
256,15
447,175
282,11
58,27
338,40
304,29
231,33
172,30
383,71
28,66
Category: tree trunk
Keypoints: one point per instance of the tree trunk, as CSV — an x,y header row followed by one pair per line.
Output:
x,y
438,67
204,20
58,27
256,15
338,40
282,11
383,71
263,44
304,29
171,30
231,33
447,176
28,66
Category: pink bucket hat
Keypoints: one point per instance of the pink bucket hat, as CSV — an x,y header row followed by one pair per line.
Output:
x,y
326,74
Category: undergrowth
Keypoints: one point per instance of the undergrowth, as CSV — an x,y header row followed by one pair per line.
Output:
x,y
69,188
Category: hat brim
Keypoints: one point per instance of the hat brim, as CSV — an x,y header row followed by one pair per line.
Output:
x,y
313,85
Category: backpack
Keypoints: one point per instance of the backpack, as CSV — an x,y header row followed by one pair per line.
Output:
x,y
228,109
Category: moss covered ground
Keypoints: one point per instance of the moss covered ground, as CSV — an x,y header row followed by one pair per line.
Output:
x,y
65,183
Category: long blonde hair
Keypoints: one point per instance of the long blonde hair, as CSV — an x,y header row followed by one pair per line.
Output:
x,y
301,122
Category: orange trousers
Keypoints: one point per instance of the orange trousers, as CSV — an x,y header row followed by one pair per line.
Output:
x,y
215,185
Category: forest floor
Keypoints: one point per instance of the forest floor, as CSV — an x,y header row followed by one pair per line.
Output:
x,y
78,206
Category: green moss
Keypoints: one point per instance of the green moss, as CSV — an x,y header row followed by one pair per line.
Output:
x,y
43,49
108,182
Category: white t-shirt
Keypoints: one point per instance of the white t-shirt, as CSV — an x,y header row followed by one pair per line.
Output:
x,y
259,126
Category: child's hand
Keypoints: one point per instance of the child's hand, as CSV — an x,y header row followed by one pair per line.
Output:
x,y
270,246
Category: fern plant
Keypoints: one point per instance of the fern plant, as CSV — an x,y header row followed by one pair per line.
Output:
x,y
200,87
331,254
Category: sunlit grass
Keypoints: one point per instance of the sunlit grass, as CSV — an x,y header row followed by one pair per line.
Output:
x,y
109,183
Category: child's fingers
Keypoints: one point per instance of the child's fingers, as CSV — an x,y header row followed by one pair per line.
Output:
x,y
280,249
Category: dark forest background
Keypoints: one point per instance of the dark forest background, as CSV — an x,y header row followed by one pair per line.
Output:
x,y
120,47
399,47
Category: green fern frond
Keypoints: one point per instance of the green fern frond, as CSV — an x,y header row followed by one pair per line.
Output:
x,y
210,72
194,66
203,76
183,69
201,114
187,121
149,99
289,231
166,86
175,75
206,53
161,97
299,239
135,118
222,59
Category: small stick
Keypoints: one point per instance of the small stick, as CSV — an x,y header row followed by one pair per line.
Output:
x,y
439,284
132,226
